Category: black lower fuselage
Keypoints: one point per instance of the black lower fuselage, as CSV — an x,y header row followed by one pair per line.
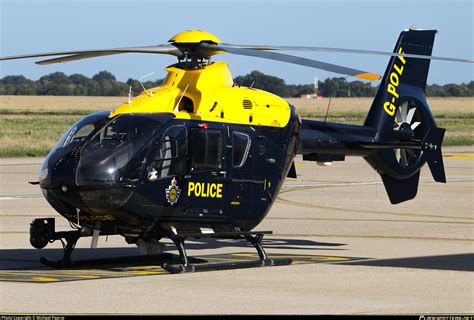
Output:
x,y
183,175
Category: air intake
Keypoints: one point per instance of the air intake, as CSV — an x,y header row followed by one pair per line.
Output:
x,y
247,104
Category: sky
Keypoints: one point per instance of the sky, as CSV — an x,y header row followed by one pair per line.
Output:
x,y
34,26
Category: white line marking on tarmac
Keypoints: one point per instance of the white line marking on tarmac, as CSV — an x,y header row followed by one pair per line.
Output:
x,y
357,183
20,196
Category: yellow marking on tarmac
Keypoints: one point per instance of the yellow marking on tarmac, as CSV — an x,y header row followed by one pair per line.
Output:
x,y
44,279
48,275
40,280
9,279
100,272
147,272
142,270
458,156
145,267
41,276
226,259
107,274
30,276
313,258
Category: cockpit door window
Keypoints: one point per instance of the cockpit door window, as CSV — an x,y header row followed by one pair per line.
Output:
x,y
170,159
206,149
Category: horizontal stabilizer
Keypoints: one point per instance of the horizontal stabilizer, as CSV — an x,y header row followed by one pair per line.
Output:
x,y
431,146
401,190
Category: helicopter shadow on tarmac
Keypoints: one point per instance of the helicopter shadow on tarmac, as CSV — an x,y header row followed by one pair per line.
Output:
x,y
17,259
273,243
452,262
124,257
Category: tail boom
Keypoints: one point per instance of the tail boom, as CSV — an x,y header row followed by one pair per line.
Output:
x,y
399,134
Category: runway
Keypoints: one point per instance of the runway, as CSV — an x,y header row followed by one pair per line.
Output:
x,y
353,252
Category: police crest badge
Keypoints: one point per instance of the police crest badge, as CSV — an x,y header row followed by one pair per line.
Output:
x,y
173,192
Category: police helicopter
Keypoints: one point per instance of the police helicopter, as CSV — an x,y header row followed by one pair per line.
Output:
x,y
199,157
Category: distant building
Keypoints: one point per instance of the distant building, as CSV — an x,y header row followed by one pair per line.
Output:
x,y
311,96
314,95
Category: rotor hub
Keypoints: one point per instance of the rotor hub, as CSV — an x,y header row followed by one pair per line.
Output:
x,y
192,54
194,36
405,133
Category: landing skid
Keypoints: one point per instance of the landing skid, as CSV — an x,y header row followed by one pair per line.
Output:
x,y
120,261
255,238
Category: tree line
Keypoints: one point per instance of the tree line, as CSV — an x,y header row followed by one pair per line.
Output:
x,y
104,83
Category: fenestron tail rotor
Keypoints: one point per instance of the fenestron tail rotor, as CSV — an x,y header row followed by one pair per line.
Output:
x,y
405,122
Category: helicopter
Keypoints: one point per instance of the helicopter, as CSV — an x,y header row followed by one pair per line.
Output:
x,y
200,157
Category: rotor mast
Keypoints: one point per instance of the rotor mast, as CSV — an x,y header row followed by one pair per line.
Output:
x,y
192,56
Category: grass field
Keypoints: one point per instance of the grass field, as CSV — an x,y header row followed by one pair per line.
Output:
x,y
30,125
437,105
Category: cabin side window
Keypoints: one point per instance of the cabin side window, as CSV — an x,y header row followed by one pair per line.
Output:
x,y
206,149
170,159
240,148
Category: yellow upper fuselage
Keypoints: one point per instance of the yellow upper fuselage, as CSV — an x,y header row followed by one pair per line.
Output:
x,y
213,96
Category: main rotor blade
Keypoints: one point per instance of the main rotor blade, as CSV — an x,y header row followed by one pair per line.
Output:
x,y
84,54
75,57
294,60
343,50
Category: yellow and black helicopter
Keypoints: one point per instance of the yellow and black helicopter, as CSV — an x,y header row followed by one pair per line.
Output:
x,y
201,157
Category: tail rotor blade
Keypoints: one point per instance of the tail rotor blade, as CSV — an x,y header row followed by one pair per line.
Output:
x,y
410,115
404,111
404,159
415,124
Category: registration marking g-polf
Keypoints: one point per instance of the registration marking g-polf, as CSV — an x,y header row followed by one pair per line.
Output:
x,y
392,85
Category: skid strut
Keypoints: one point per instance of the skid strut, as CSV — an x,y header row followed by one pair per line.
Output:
x,y
69,243
42,232
255,238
